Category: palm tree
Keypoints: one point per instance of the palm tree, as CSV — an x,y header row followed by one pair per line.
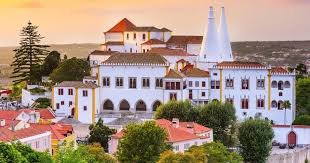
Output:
x,y
286,105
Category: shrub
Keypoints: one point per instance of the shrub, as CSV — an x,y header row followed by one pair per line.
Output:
x,y
302,120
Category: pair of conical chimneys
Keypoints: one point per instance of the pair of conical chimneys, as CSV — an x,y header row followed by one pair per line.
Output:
x,y
216,43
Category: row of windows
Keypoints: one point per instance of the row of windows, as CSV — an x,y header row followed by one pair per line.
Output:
x,y
132,82
70,92
190,94
190,84
245,84
135,36
280,85
260,103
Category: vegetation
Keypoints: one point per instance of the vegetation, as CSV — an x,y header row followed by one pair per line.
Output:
x,y
171,157
72,69
302,120
28,55
19,153
50,63
100,133
17,90
142,143
220,117
37,90
303,96
255,136
43,103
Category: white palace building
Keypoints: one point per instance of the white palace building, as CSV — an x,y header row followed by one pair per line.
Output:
x,y
139,68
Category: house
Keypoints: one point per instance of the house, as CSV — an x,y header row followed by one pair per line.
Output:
x,y
181,135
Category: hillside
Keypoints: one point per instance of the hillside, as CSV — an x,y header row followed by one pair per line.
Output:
x,y
268,52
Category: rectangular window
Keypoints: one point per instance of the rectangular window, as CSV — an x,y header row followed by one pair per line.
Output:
x,y
127,36
260,103
60,91
229,83
173,85
119,82
215,84
57,106
186,146
173,96
134,36
146,82
70,103
203,94
245,84
143,36
106,81
190,83
85,108
190,94
176,148
178,85
62,102
85,93
70,91
260,83
196,83
132,83
159,82
203,84
245,103
229,100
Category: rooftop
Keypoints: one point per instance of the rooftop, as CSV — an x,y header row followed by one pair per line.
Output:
x,y
136,58
153,42
182,41
76,84
195,72
169,52
114,43
278,70
174,74
100,52
240,64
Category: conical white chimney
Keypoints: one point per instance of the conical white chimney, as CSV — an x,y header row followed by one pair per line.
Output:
x,y
210,50
224,40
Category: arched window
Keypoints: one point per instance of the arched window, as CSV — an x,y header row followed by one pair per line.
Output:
x,y
140,106
287,84
124,105
156,104
274,84
280,105
280,85
274,104
108,105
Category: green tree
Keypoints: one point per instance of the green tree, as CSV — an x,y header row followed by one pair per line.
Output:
x,y
98,152
255,136
302,120
10,154
303,96
171,157
31,155
286,105
174,109
221,118
100,133
17,90
43,103
72,69
142,143
50,63
28,55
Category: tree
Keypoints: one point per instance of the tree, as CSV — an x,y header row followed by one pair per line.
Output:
x,y
142,143
17,90
28,55
100,133
50,63
302,120
73,69
286,105
98,152
171,157
221,118
174,109
31,155
10,154
43,102
255,136
303,96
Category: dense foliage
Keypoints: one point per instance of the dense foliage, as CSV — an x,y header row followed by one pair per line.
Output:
x,y
72,69
50,63
28,55
100,133
171,157
302,120
142,143
255,136
43,103
303,96
17,90
220,117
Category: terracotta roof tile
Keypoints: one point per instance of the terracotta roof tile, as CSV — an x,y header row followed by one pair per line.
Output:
x,y
195,72
136,58
100,52
8,114
153,42
46,114
165,30
91,77
123,25
114,43
169,52
174,74
278,70
76,84
182,41
147,29
195,126
240,64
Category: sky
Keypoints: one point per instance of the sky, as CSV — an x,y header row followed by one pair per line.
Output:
x,y
84,21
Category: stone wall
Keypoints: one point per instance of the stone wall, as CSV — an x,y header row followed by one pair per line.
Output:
x,y
297,155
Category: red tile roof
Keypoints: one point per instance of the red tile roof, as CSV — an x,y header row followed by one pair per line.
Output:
x,y
153,42
195,126
114,43
59,131
182,41
240,64
100,52
294,126
169,52
123,25
8,114
174,74
46,114
278,70
195,72
13,114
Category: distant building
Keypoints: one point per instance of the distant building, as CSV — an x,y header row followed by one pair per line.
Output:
x,y
32,93
181,135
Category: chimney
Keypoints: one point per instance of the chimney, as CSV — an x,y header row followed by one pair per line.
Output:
x,y
2,122
224,40
210,49
175,122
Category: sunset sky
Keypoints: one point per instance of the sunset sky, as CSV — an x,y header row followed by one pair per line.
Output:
x,y
83,21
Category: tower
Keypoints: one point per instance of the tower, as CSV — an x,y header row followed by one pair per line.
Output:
x,y
210,48
226,52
